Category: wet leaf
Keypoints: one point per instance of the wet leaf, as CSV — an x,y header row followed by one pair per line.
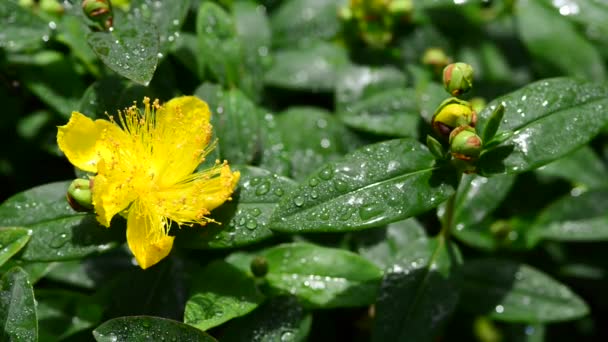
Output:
x,y
375,185
514,292
212,302
322,277
166,17
21,29
17,307
145,328
582,167
418,293
12,239
130,49
360,82
573,111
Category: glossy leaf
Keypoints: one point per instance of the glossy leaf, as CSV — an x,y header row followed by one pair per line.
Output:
x,y
21,28
573,111
476,198
360,82
385,246
574,218
314,69
213,302
130,49
298,21
145,328
280,319
58,233
375,185
63,313
324,138
167,18
219,48
17,307
418,293
391,113
539,28
244,220
322,277
514,292
582,167
12,239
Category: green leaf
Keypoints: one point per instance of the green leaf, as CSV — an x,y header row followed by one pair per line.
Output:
x,y
572,111
166,17
392,113
219,46
385,246
314,69
12,239
275,156
554,41
476,198
514,292
360,82
17,307
213,302
244,220
130,49
419,292
109,95
375,185
322,138
578,217
34,270
582,167
58,233
322,277
146,328
280,319
299,21
494,121
63,313
21,29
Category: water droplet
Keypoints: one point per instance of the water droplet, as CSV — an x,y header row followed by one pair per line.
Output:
x,y
499,309
279,191
262,189
287,336
254,181
52,25
369,211
326,173
251,224
313,182
298,201
60,240
340,185
256,212
314,194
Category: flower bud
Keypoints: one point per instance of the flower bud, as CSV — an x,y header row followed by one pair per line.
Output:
x,y
458,78
99,11
453,113
465,144
435,57
259,266
79,195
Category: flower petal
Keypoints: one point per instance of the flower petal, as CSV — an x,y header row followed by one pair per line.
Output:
x,y
113,191
146,235
80,140
182,133
192,201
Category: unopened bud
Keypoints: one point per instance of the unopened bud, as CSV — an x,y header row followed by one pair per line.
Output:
x,y
99,11
259,266
465,144
458,78
79,195
435,57
453,113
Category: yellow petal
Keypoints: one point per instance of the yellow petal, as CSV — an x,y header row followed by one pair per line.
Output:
x,y
113,191
182,133
80,140
192,201
146,235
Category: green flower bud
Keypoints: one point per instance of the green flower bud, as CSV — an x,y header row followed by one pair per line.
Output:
x,y
453,113
435,57
458,78
79,195
259,266
465,144
99,11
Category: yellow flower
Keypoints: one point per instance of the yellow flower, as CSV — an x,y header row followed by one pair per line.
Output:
x,y
145,167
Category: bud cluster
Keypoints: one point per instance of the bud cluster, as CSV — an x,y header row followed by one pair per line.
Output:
x,y
455,119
